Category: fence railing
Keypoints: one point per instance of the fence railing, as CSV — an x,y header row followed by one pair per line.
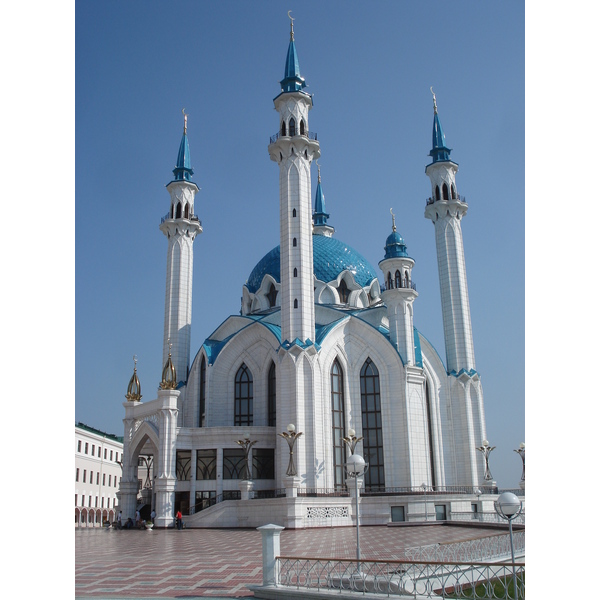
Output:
x,y
311,135
472,580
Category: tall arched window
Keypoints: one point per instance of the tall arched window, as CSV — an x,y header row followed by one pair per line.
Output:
x,y
437,192
302,127
243,397
178,213
271,399
202,411
272,296
282,127
430,432
294,213
445,192
338,421
343,292
295,302
406,279
371,425
295,272
292,127
398,279
294,242
390,284
186,212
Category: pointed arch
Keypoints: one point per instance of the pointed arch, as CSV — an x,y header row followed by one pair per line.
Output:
x,y
445,191
272,396
430,431
372,431
283,128
202,400
272,295
343,292
302,127
292,127
178,212
186,212
244,396
338,423
398,279
437,192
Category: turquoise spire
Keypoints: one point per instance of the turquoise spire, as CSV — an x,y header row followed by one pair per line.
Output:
x,y
439,151
319,215
292,80
394,245
183,170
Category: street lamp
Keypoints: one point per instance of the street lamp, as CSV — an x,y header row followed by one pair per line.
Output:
x,y
509,507
355,468
424,487
351,440
521,453
486,450
290,436
246,444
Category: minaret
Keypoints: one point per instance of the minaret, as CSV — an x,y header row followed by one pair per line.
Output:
x,y
294,148
320,215
446,208
181,226
399,294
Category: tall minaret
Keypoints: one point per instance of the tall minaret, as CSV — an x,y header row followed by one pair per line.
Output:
x,y
399,294
446,208
294,148
180,226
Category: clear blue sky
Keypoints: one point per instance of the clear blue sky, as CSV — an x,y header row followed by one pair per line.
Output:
x,y
370,67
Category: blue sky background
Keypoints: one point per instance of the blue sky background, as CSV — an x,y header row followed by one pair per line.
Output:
x,y
370,67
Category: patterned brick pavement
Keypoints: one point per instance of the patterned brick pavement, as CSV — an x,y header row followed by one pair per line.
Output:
x,y
221,563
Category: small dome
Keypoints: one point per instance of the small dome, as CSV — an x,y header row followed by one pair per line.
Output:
x,y
395,246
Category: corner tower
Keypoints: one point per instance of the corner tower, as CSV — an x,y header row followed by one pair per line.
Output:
x,y
446,209
294,148
181,226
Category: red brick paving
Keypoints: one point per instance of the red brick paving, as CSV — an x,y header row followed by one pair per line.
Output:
x,y
221,563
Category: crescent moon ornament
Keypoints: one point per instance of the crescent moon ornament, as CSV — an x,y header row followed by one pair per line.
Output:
x,y
290,16
291,26
393,219
434,102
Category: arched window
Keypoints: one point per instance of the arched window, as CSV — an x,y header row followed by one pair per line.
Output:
x,y
406,280
429,432
202,403
371,425
390,284
272,296
398,279
294,242
292,127
453,191
282,127
295,302
343,292
243,397
302,127
271,396
186,212
178,213
172,211
437,192
294,213
338,421
445,192
295,272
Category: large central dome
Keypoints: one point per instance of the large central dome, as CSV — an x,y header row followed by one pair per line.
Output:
x,y
330,258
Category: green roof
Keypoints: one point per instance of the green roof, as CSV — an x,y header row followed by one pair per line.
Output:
x,y
116,438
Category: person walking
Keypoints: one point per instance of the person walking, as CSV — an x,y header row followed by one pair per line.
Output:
x,y
153,516
120,520
179,521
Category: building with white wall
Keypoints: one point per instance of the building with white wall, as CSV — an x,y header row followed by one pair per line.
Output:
x,y
321,343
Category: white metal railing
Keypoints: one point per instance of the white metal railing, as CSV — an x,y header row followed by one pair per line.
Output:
x,y
487,517
473,580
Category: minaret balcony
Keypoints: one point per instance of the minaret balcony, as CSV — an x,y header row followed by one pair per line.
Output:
x,y
403,285
168,217
456,198
311,135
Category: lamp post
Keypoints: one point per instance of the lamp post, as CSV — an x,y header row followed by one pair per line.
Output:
x,y
424,486
355,467
290,436
509,507
246,444
521,453
486,450
351,440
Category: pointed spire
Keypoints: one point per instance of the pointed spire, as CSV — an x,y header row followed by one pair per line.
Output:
x,y
292,80
183,170
439,151
134,389
319,215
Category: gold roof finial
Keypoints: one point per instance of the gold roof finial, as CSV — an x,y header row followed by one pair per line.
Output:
x,y
169,376
134,389
434,102
291,26
184,120
393,219
319,170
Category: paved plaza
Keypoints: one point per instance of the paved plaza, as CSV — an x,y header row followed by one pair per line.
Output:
x,y
221,563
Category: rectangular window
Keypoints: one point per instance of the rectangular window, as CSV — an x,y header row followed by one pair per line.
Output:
x,y
90,502
116,457
75,499
103,478
111,454
91,476
440,512
474,511
96,501
206,464
204,500
84,476
104,453
93,449
183,465
78,445
77,474
86,447
109,480
398,514
97,477
234,463
263,463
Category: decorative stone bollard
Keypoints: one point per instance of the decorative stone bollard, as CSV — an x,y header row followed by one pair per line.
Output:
x,y
270,550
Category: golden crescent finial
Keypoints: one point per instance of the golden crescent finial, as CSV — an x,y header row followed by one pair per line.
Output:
x,y
393,219
134,361
184,120
434,102
291,26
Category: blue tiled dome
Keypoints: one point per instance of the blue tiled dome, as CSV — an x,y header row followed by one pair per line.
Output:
x,y
330,258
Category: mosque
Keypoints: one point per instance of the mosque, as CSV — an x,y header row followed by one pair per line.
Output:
x,y
324,361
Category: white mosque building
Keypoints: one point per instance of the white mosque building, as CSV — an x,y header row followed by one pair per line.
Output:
x,y
324,359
